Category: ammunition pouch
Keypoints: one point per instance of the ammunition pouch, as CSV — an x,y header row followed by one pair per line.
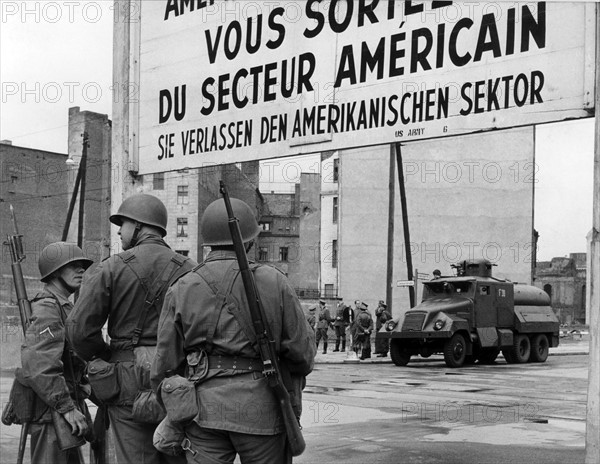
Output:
x,y
103,379
146,407
178,394
23,404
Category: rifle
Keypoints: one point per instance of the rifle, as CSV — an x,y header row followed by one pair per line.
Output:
x,y
15,243
265,341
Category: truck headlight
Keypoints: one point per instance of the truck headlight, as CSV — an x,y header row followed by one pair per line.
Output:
x,y
390,325
439,324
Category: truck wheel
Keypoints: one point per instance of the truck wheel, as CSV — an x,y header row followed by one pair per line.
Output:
x,y
539,348
400,355
521,348
455,351
488,355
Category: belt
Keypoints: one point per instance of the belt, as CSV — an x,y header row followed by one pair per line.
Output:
x,y
122,356
237,363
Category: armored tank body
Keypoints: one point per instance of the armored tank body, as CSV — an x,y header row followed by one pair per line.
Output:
x,y
473,317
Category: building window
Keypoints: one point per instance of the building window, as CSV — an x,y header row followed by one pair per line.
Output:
x,y
548,290
329,291
263,254
266,226
283,254
335,210
182,227
159,181
334,253
183,252
182,195
336,169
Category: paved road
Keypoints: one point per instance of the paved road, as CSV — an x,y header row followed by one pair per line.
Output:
x,y
427,413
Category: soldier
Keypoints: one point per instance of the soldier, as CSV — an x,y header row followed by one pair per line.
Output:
x,y
49,367
311,317
232,410
363,327
324,320
128,290
340,325
382,315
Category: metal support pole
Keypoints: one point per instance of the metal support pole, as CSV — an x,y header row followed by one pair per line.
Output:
x,y
592,437
82,168
389,290
409,266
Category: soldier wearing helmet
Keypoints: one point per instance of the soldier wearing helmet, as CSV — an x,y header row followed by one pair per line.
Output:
x,y
206,325
127,290
49,368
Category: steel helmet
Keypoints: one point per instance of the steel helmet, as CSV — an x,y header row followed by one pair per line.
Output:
x,y
143,208
214,225
57,255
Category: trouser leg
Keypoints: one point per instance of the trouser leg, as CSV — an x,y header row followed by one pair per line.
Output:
x,y
45,450
220,447
133,440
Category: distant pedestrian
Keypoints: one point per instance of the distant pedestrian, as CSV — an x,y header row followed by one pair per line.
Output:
x,y
363,327
436,274
339,326
323,322
311,317
382,315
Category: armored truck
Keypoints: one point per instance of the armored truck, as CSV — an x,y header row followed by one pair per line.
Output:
x,y
473,317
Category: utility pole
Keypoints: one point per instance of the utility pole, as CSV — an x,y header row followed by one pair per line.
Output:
x,y
389,290
409,265
592,437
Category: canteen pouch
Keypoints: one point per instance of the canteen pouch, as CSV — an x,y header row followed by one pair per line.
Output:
x,y
103,379
146,408
178,394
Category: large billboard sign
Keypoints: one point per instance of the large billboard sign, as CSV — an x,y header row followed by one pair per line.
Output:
x,y
232,81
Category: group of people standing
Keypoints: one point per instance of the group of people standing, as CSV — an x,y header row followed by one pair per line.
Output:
x,y
172,324
358,321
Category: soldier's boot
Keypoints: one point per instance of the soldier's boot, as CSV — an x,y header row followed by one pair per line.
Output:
x,y
324,348
343,345
337,345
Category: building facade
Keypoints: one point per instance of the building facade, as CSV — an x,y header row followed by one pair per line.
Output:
x,y
564,280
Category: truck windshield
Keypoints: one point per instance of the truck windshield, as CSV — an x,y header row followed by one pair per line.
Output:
x,y
433,289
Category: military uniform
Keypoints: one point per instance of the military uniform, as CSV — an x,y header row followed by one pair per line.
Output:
x,y
311,318
117,291
46,369
382,345
363,326
323,321
341,322
205,311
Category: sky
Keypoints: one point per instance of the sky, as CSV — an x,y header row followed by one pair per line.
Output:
x,y
58,54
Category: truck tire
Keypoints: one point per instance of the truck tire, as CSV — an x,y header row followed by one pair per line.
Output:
x,y
539,348
455,351
488,355
521,348
400,355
